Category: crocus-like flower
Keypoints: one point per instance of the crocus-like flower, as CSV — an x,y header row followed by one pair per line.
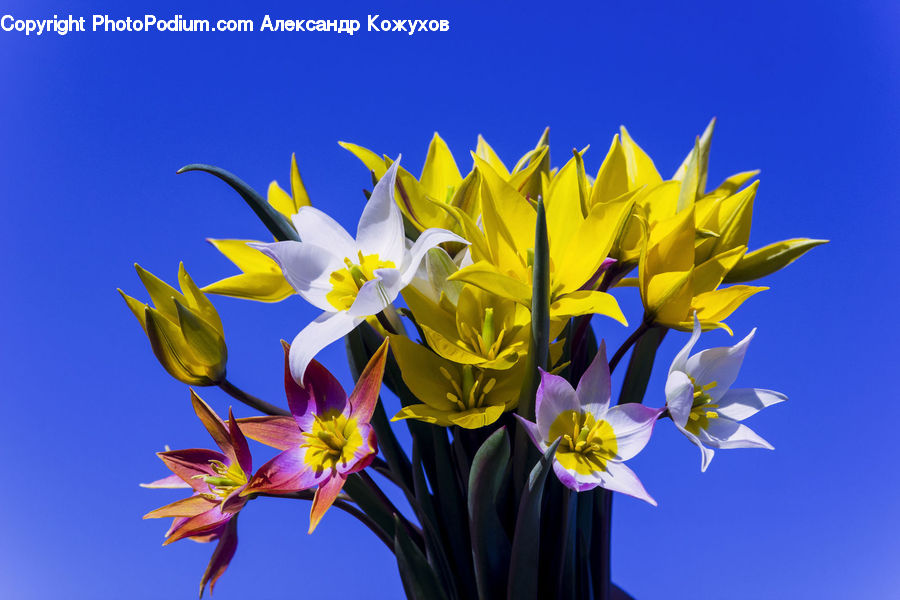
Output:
x,y
596,439
184,329
703,406
217,478
348,278
327,438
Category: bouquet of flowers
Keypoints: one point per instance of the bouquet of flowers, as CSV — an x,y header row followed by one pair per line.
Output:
x,y
470,299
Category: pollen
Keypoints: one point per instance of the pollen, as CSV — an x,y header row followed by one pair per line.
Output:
x,y
346,283
703,409
586,444
333,440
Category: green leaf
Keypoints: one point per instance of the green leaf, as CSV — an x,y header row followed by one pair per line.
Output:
x,y
424,507
490,543
538,354
641,365
419,579
523,564
769,259
271,218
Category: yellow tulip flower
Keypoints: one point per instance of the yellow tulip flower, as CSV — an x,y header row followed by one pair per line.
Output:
x,y
184,329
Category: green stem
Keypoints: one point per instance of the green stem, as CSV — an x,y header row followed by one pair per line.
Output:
x,y
343,504
635,335
251,400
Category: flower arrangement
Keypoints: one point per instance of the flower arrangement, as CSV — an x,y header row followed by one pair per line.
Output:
x,y
470,299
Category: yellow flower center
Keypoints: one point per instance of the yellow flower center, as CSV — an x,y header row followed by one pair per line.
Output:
x,y
226,479
334,439
586,445
473,388
703,409
346,282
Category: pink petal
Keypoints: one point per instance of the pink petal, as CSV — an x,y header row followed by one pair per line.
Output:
x,y
200,524
278,432
365,394
214,425
320,392
325,496
193,461
170,482
286,473
239,444
221,556
186,507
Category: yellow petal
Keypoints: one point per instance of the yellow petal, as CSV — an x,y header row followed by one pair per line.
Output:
x,y
420,369
719,304
710,274
423,412
486,276
262,287
280,200
298,190
586,302
484,151
641,170
372,161
612,178
440,175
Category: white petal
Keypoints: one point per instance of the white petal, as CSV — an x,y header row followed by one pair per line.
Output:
x,y
718,364
380,229
679,397
306,267
594,388
427,240
706,454
327,328
554,396
619,478
680,361
738,404
316,227
726,434
376,294
632,424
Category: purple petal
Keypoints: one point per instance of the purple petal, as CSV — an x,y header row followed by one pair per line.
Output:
x,y
200,524
554,396
286,473
214,425
321,392
193,461
575,481
221,556
532,430
594,388
239,443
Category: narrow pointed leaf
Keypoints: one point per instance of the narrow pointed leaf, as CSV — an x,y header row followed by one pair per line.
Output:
x,y
490,543
419,579
523,564
271,218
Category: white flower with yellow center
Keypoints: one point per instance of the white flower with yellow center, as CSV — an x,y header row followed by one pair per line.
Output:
x,y
350,279
703,406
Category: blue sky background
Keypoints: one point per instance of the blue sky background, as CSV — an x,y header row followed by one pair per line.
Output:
x,y
94,126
